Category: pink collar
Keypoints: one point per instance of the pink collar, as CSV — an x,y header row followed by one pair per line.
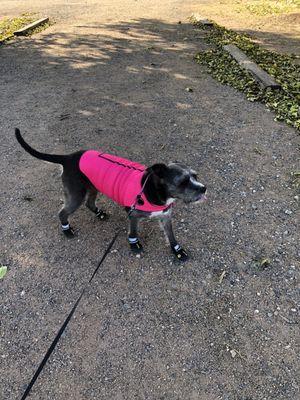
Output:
x,y
142,200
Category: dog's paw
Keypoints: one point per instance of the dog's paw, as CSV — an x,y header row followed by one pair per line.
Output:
x,y
102,215
180,253
69,232
136,247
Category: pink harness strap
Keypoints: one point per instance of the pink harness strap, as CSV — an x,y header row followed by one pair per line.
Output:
x,y
118,178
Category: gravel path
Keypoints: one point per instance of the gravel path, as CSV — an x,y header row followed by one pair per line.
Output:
x,y
115,76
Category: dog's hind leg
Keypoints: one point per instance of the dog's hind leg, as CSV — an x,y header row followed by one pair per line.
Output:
x,y
91,205
74,197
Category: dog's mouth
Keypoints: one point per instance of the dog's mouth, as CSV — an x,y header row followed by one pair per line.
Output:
x,y
201,199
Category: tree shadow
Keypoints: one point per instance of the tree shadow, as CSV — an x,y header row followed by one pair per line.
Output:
x,y
93,71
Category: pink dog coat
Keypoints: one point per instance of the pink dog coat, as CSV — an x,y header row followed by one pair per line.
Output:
x,y
117,178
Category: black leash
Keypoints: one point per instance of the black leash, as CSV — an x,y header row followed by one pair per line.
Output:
x,y
64,325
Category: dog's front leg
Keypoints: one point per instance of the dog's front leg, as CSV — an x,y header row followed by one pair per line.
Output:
x,y
134,242
179,252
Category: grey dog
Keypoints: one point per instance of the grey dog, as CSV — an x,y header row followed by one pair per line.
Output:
x,y
161,185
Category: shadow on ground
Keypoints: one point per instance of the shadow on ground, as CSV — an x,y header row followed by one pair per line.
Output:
x,y
281,43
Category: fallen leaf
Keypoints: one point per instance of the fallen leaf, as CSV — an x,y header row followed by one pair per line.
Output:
x,y
3,271
258,150
233,353
264,262
27,198
222,276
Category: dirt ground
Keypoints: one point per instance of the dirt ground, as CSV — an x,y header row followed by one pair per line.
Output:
x,y
278,32
114,75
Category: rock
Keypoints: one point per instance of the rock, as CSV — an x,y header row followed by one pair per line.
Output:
x,y
233,353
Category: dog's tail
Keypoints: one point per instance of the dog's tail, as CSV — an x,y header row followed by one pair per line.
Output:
x,y
54,158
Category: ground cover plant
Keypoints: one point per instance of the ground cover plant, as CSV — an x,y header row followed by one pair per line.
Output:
x,y
9,25
285,102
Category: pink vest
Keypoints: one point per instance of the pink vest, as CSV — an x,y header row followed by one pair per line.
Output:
x,y
117,178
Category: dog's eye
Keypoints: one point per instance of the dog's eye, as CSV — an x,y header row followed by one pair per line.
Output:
x,y
184,182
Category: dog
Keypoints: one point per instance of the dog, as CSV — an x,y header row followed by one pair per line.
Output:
x,y
143,191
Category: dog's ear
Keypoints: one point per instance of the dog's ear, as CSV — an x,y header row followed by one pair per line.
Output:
x,y
159,170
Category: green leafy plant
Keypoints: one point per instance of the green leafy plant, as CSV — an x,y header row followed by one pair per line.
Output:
x,y
9,25
285,102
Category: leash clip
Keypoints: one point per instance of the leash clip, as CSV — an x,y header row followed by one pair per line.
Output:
x,y
138,199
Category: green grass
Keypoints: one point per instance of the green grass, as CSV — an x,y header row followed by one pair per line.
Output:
x,y
285,102
9,25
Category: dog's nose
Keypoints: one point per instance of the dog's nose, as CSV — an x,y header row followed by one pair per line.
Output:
x,y
202,189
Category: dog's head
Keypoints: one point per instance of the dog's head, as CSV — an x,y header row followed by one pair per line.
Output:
x,y
180,182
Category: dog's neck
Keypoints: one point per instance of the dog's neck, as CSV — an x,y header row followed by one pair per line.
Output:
x,y
154,191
